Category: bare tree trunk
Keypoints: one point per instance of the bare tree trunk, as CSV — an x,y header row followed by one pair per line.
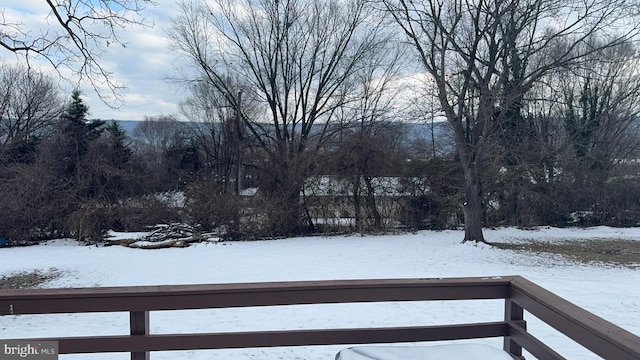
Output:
x,y
473,206
371,203
357,207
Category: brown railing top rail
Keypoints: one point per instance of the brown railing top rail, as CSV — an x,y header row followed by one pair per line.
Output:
x,y
177,297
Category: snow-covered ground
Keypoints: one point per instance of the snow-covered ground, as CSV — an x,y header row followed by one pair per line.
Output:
x,y
611,292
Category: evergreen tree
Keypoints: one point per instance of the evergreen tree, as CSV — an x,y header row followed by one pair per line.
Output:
x,y
120,152
78,132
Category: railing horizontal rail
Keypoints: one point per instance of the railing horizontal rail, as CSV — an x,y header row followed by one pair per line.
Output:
x,y
176,297
593,332
536,347
231,340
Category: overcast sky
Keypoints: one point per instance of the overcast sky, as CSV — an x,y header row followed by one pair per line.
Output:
x,y
143,66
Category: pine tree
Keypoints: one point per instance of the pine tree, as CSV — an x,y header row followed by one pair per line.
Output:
x,y
78,132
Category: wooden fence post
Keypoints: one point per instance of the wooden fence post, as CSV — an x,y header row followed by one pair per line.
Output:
x,y
139,325
515,314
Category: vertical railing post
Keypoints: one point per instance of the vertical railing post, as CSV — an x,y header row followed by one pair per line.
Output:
x,y
139,325
514,314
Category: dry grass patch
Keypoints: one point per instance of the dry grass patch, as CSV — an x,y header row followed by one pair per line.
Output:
x,y
618,252
28,279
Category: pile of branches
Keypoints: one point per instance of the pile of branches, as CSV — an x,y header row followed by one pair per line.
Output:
x,y
166,236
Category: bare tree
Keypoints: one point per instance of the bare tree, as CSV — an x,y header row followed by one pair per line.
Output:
x,y
76,35
31,204
299,59
597,135
370,136
161,142
30,102
155,135
219,130
485,55
600,109
215,200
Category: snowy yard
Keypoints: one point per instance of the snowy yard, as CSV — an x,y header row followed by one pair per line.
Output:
x,y
611,292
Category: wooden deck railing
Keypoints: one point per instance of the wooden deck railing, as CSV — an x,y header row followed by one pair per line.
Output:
x,y
596,334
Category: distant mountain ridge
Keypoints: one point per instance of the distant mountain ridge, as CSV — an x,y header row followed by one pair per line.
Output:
x,y
441,130
127,125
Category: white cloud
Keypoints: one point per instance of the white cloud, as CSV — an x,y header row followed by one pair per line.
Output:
x,y
142,66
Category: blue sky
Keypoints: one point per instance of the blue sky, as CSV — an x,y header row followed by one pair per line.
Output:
x,y
143,66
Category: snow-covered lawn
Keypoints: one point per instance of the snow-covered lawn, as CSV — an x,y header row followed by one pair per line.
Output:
x,y
611,292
